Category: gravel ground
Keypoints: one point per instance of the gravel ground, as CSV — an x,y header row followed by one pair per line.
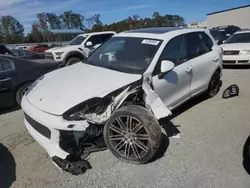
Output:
x,y
207,154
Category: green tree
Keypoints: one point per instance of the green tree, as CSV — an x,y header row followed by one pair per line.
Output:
x,y
72,20
53,21
36,34
11,30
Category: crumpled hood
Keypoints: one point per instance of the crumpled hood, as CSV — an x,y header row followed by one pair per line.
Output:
x,y
236,46
64,88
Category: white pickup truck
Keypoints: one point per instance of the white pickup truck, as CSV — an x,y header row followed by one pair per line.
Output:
x,y
79,48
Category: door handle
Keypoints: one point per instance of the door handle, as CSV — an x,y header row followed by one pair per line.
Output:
x,y
5,79
189,69
215,59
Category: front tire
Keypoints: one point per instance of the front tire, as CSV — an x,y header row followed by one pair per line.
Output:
x,y
72,61
214,85
21,92
133,134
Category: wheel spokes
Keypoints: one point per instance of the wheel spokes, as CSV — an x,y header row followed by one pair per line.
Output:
x,y
116,137
116,129
140,145
121,124
119,145
127,149
141,137
129,123
129,137
137,128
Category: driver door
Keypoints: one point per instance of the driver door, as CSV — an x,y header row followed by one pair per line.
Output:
x,y
174,87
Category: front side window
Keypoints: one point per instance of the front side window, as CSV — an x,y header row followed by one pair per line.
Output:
x,y
95,39
196,45
239,38
175,50
6,64
77,40
125,54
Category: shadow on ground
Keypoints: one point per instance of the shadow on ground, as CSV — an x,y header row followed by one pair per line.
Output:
x,y
171,129
7,167
236,67
9,109
246,155
187,105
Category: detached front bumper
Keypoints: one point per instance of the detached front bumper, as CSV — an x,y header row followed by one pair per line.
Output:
x,y
45,128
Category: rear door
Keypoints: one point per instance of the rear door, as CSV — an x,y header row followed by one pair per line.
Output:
x,y
204,60
7,75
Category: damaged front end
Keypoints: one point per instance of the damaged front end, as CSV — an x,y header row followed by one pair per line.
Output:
x,y
96,111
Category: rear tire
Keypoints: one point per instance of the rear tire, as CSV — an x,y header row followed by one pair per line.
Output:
x,y
133,134
214,85
72,61
21,92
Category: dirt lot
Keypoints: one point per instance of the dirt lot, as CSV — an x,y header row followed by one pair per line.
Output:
x,y
207,154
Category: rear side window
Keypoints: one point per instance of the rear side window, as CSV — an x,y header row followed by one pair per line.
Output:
x,y
105,37
197,44
175,50
6,64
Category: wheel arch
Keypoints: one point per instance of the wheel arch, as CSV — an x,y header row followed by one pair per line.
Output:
x,y
19,86
74,54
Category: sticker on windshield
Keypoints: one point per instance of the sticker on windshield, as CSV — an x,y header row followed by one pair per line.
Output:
x,y
151,42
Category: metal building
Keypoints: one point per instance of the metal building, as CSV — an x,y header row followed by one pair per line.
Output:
x,y
239,16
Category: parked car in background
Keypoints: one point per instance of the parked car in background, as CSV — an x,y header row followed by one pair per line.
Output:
x,y
78,49
218,36
119,92
40,48
17,74
27,54
54,45
5,51
237,49
21,48
226,31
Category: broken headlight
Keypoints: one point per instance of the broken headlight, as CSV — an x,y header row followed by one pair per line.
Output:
x,y
95,105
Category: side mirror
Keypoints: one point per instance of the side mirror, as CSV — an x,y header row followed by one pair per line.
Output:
x,y
166,66
228,35
89,44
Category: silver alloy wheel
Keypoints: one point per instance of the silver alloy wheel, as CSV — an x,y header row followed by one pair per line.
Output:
x,y
129,138
24,90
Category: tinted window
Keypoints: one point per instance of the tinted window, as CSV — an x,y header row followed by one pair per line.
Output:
x,y
1,68
207,41
105,37
175,51
6,64
196,45
77,40
95,40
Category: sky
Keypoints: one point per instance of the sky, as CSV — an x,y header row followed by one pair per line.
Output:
x,y
115,10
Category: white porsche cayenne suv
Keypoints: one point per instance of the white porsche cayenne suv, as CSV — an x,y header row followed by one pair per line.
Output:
x,y
116,96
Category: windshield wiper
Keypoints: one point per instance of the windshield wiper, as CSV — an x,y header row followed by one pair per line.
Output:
x,y
115,68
